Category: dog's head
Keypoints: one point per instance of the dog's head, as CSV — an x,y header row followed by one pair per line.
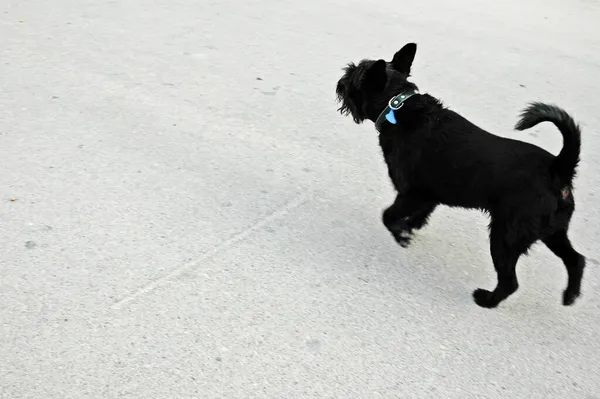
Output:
x,y
366,88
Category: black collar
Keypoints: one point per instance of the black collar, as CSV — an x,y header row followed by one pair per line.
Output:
x,y
394,104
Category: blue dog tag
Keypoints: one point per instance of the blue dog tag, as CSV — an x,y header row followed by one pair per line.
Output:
x,y
391,118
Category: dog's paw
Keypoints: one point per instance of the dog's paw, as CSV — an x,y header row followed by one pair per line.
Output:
x,y
484,298
569,297
403,237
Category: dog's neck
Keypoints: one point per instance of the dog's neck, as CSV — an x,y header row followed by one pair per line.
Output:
x,y
388,115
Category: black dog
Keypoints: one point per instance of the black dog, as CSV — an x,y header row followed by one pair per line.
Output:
x,y
435,156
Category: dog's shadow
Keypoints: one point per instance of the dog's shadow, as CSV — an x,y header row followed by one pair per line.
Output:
x,y
449,258
444,263
446,260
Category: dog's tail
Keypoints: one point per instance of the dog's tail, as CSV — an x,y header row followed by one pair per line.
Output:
x,y
565,164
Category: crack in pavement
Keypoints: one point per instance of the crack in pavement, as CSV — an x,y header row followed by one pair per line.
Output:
x,y
225,245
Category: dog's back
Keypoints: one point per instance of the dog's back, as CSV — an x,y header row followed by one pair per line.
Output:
x,y
463,165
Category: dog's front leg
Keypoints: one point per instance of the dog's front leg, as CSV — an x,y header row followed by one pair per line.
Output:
x,y
404,215
506,250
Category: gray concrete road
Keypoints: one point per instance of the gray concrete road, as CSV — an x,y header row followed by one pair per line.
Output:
x,y
184,214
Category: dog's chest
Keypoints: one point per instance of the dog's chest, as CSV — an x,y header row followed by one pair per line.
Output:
x,y
399,159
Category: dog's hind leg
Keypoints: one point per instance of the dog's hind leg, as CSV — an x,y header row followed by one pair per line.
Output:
x,y
560,245
506,249
404,215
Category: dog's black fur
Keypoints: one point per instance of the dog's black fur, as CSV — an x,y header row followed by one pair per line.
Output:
x,y
435,156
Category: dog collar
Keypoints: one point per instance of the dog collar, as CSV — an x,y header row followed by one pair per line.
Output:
x,y
395,103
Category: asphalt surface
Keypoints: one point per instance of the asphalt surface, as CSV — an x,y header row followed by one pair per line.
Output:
x,y
184,214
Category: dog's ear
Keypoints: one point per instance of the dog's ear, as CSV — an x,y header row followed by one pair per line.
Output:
x,y
376,76
403,59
